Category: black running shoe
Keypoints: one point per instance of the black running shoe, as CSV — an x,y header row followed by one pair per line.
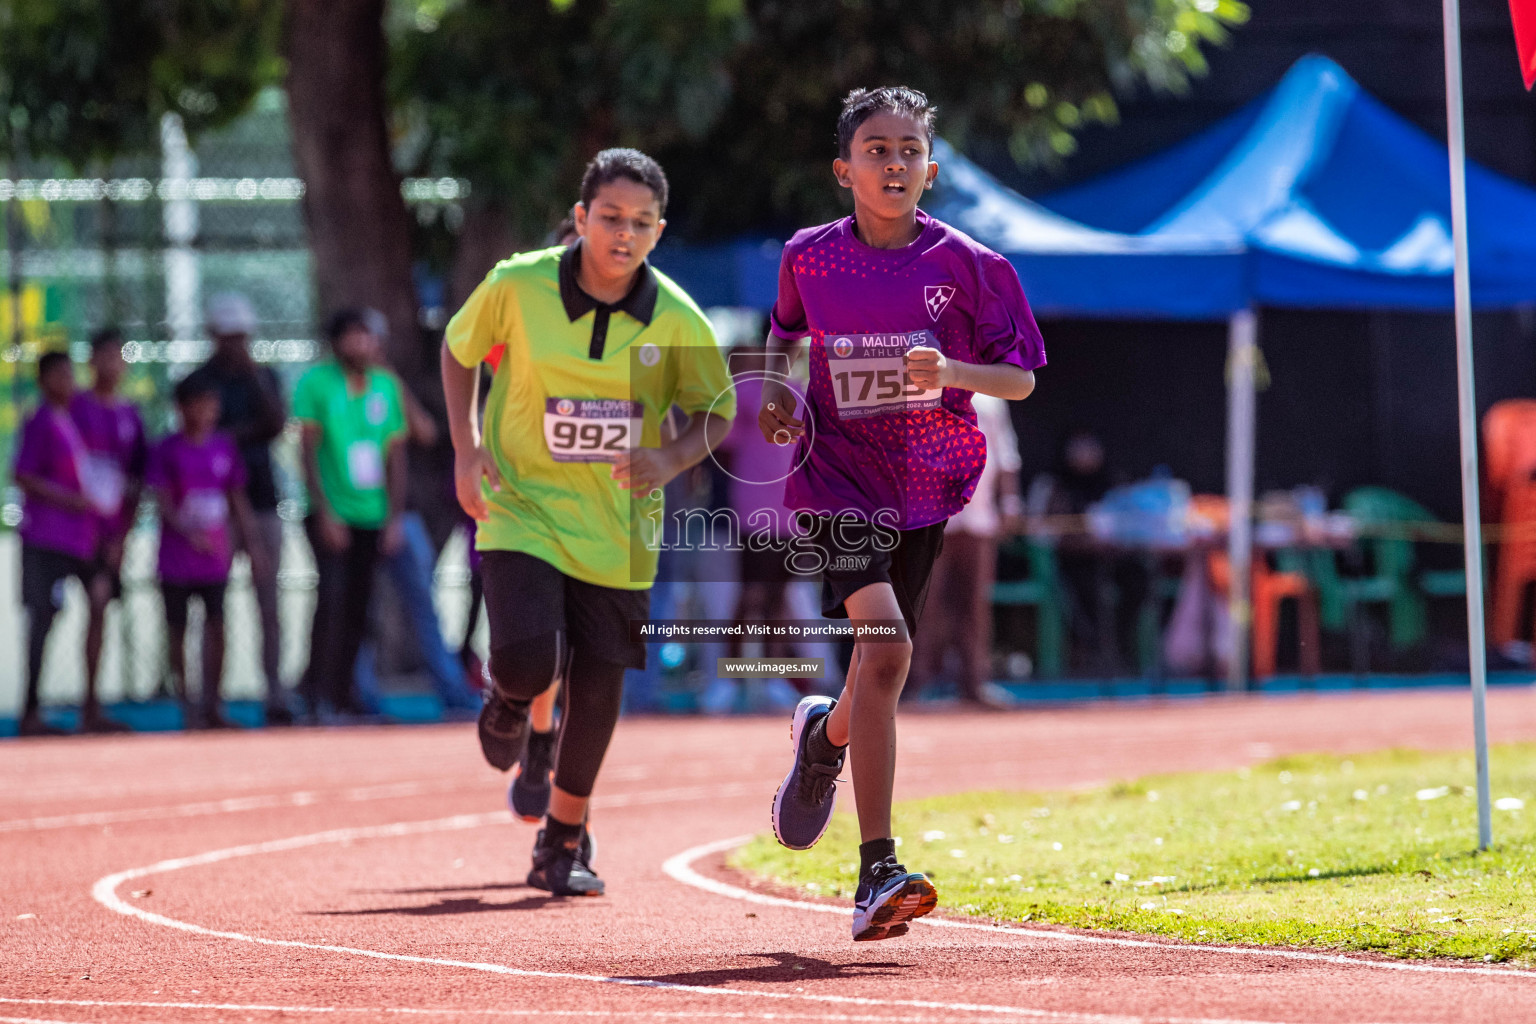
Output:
x,y
98,722
564,870
502,726
888,897
213,719
33,725
802,807
528,795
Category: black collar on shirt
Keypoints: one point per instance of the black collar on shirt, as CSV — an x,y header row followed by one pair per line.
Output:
x,y
640,303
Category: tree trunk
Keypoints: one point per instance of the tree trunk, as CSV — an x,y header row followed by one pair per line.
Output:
x,y
359,233
359,227
485,240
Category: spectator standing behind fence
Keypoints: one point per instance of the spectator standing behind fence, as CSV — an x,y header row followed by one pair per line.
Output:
x,y
113,476
410,569
199,480
960,591
353,418
251,413
59,525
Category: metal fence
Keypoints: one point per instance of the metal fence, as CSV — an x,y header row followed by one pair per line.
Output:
x,y
141,244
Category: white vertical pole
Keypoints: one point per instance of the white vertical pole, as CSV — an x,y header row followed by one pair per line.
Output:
x,y
1242,357
178,166
1472,517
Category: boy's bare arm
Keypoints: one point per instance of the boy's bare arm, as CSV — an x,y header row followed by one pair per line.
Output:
x,y
930,368
777,419
333,531
471,462
247,521
642,469
46,490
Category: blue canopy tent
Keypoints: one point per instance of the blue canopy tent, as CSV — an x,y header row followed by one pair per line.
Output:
x,y
1337,202
1314,196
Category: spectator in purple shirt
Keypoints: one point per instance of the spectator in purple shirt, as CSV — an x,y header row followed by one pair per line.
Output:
x,y
115,453
199,478
59,525
252,413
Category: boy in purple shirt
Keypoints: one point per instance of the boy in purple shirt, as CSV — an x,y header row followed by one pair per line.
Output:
x,y
115,454
907,317
199,479
59,525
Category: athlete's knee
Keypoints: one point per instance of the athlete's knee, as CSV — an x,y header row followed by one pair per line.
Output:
x,y
523,669
884,665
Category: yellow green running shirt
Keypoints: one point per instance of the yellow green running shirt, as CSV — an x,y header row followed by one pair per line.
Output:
x,y
568,394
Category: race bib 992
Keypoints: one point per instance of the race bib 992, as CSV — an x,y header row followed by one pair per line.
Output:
x,y
591,429
869,377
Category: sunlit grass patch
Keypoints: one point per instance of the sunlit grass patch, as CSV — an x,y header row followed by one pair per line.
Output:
x,y
1373,852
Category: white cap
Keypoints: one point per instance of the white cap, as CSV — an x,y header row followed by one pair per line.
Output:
x,y
377,323
231,313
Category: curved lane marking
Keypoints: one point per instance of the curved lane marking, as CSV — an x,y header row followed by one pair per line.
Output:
x,y
104,891
680,868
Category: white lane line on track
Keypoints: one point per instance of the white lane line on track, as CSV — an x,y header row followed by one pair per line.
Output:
x,y
680,867
104,891
426,1011
233,805
306,798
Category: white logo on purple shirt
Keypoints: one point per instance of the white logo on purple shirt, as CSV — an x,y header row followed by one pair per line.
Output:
x,y
936,297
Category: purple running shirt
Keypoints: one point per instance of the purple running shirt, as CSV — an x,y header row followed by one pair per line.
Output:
x,y
116,454
194,481
876,442
51,448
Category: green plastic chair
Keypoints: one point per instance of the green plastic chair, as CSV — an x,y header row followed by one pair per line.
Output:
x,y
1318,565
1041,591
1392,559
1163,590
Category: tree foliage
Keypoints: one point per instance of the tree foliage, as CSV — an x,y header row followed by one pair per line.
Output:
x,y
87,80
739,97
516,97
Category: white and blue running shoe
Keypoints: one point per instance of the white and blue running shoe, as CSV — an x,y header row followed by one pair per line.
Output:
x,y
888,897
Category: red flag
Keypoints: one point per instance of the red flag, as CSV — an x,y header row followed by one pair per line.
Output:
x,y
1523,13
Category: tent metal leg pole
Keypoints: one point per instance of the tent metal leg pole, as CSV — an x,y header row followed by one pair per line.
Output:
x,y
1242,358
1466,399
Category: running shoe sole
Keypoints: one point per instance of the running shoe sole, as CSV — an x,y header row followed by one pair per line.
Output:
x,y
796,729
501,751
888,919
534,804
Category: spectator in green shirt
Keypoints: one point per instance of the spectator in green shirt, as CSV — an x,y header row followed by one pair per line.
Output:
x,y
353,417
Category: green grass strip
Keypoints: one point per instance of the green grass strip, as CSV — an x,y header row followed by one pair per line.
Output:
x,y
1370,852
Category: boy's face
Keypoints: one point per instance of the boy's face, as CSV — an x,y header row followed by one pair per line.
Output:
x,y
201,413
621,226
108,365
887,167
58,384
357,347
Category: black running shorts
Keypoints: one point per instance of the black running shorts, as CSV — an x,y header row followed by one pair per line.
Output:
x,y
526,597
178,596
855,554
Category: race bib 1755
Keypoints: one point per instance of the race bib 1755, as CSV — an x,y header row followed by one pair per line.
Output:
x,y
591,429
869,377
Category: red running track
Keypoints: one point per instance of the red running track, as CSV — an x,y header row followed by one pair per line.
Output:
x,y
374,874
